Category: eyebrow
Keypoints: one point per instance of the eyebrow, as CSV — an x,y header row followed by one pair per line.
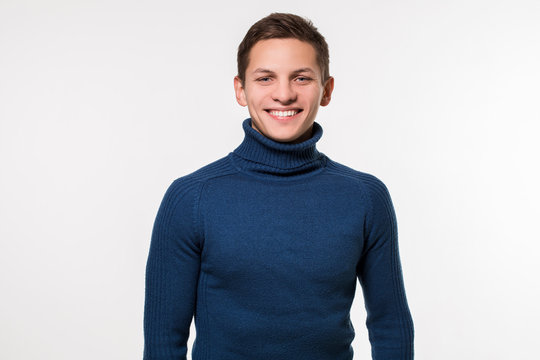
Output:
x,y
267,71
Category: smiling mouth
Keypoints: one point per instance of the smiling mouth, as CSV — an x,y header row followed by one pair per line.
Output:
x,y
283,114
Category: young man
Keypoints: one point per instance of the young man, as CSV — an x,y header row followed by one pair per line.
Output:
x,y
263,246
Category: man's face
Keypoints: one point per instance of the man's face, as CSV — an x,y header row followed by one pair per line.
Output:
x,y
283,89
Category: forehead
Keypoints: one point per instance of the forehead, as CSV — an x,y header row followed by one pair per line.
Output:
x,y
282,54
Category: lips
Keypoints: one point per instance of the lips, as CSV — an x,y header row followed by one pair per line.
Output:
x,y
284,114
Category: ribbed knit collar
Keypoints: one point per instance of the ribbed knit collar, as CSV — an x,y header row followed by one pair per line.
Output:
x,y
262,155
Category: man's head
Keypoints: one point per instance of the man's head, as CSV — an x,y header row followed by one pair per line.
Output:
x,y
284,26
283,76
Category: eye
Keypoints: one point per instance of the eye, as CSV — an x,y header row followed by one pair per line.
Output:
x,y
264,79
303,79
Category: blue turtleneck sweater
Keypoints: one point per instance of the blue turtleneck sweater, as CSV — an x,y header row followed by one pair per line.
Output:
x,y
263,248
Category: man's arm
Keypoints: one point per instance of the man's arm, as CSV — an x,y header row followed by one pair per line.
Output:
x,y
389,321
172,272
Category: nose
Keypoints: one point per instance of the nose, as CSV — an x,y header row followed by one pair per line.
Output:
x,y
284,93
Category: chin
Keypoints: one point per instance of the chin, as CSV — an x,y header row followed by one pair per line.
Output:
x,y
286,139
280,132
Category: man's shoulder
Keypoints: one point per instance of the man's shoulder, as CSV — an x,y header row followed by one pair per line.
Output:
x,y
372,188
363,178
215,169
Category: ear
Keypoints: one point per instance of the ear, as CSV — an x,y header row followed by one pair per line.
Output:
x,y
327,92
239,91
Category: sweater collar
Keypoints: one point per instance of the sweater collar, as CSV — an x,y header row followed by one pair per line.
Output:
x,y
261,154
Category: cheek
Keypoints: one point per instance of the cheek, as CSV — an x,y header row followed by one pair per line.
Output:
x,y
314,97
255,97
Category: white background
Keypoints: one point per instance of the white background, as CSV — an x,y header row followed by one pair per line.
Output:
x,y
104,103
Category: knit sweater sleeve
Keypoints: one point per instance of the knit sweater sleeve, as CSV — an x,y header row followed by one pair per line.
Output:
x,y
172,271
389,321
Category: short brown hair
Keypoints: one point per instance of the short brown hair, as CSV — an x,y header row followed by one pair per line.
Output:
x,y
284,26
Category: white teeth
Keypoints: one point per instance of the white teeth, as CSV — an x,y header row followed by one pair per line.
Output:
x,y
284,113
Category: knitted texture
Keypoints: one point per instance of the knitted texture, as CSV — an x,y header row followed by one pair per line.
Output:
x,y
264,247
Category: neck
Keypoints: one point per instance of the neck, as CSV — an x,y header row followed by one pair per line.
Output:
x,y
262,156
